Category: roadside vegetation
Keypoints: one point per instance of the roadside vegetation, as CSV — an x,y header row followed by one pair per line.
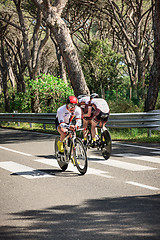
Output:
x,y
111,48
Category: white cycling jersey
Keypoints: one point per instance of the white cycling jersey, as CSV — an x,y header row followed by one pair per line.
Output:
x,y
64,116
101,104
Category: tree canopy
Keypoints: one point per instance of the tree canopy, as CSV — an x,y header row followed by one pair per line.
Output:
x,y
92,45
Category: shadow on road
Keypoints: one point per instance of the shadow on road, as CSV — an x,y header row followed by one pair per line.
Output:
x,y
8,136
126,218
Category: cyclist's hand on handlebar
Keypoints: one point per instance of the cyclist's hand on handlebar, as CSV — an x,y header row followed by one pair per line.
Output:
x,y
72,127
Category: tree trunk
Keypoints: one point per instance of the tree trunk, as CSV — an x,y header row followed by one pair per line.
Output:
x,y
155,71
62,35
62,71
4,73
33,55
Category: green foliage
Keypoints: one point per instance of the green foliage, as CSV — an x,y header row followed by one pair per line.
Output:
x,y
123,106
134,135
52,93
158,101
101,65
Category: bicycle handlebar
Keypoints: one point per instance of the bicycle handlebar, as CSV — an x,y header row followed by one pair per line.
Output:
x,y
76,130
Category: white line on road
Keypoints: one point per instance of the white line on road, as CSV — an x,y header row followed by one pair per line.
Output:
x,y
136,146
139,157
30,173
24,171
53,162
142,185
11,150
125,165
156,152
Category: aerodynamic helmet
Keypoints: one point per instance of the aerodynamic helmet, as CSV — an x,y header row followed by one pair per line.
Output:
x,y
72,100
81,96
94,95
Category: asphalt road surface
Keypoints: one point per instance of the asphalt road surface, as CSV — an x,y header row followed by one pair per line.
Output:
x,y
117,199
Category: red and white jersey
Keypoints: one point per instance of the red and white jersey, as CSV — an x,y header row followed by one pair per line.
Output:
x,y
101,104
65,117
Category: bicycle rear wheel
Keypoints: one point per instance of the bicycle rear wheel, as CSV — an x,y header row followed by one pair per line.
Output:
x,y
106,148
60,159
80,156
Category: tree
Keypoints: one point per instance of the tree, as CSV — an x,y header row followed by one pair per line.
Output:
x,y
155,70
130,21
101,66
32,55
52,16
4,69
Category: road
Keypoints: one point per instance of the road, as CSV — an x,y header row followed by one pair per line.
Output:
x,y
116,199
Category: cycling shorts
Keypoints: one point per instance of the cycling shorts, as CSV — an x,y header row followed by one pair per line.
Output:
x,y
100,116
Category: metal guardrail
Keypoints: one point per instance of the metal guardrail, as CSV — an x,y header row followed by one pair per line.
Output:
x,y
150,120
45,118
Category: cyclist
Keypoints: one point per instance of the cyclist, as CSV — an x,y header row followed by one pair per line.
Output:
x,y
64,117
96,111
83,103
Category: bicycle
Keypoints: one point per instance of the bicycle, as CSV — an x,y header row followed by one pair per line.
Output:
x,y
103,141
74,151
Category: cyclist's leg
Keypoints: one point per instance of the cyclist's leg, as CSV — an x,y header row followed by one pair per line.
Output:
x,y
60,158
62,132
93,129
85,124
93,132
95,121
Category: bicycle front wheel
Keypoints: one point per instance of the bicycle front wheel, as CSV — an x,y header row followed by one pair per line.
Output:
x,y
106,145
60,159
80,156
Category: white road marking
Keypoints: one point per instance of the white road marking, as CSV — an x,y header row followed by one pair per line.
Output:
x,y
24,171
31,173
139,157
142,185
110,162
156,152
53,162
11,150
124,165
136,146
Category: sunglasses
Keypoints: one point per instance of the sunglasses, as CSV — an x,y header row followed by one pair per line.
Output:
x,y
72,105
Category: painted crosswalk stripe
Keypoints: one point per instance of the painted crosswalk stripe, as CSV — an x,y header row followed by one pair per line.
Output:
x,y
139,157
53,162
11,150
25,171
125,165
156,152
142,185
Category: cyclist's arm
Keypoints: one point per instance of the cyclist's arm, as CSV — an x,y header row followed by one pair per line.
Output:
x,y
62,123
88,114
78,117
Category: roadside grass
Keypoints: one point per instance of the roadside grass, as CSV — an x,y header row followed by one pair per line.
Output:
x,y
131,135
33,127
135,135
